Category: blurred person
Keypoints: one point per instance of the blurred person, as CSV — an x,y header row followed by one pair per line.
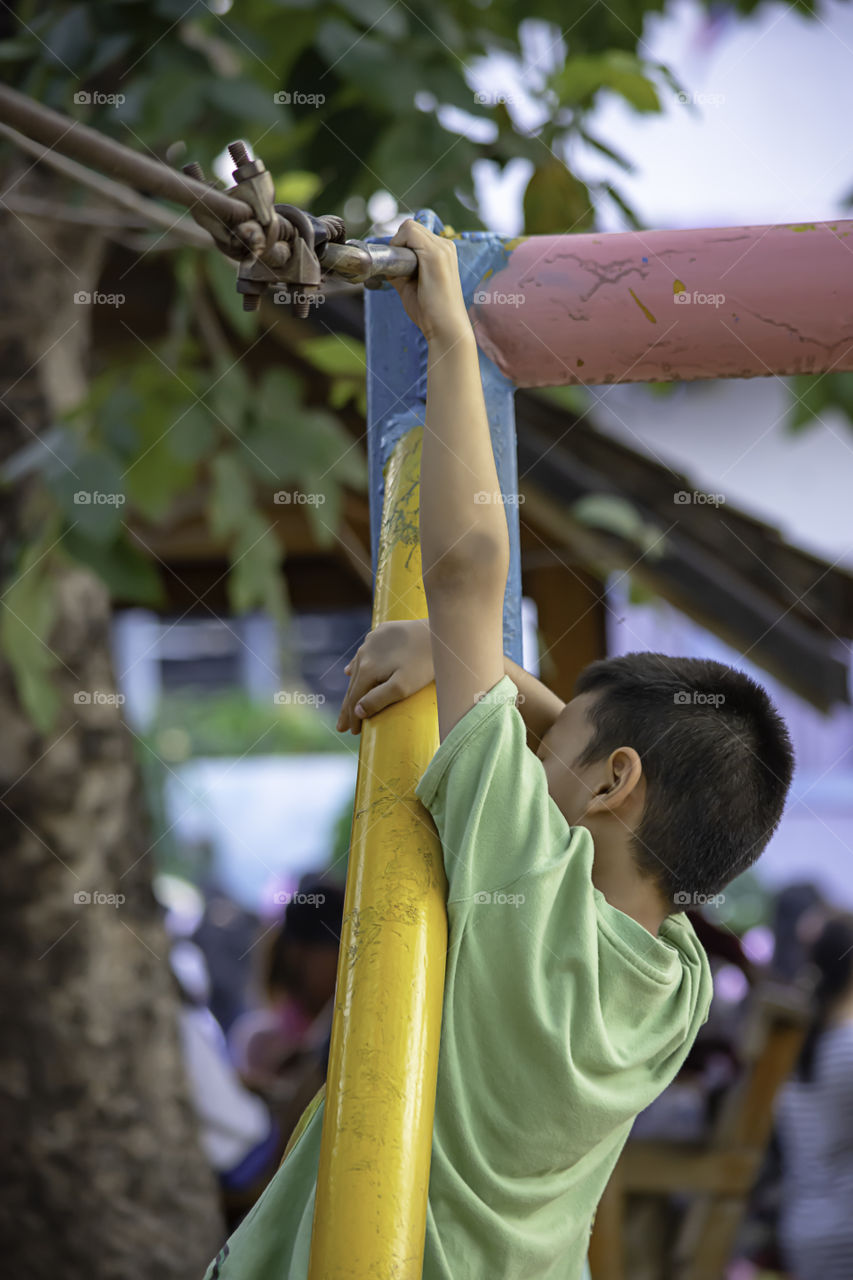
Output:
x,y
686,1109
243,1142
799,911
815,1122
225,935
269,1045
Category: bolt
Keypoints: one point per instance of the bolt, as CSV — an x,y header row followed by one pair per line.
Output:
x,y
194,170
251,301
238,153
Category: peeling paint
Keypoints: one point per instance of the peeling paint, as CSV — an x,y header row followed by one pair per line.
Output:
x,y
805,226
678,286
642,307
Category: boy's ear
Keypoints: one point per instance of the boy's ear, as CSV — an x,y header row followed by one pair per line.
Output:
x,y
621,782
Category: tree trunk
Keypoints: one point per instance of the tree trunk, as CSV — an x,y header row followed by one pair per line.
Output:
x,y
105,1177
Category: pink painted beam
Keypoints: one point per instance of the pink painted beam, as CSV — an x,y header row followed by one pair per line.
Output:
x,y
653,306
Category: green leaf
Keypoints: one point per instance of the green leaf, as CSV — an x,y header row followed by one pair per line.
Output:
x,y
615,156
298,187
580,79
378,17
397,156
556,202
614,515
229,398
27,616
337,353
324,447
279,395
810,396
639,593
107,51
94,495
115,418
69,39
626,76
622,205
243,99
15,50
194,435
156,475
231,499
127,572
255,581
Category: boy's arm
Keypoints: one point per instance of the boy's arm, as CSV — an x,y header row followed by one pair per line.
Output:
x,y
538,705
463,531
395,661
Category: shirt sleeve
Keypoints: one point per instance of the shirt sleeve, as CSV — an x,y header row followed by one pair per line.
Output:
x,y
488,795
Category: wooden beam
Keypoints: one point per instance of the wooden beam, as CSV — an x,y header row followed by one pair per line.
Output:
x,y
569,602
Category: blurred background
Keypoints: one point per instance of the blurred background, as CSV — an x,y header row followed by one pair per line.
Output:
x,y
187,570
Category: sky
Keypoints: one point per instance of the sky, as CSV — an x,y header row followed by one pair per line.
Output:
x,y
765,137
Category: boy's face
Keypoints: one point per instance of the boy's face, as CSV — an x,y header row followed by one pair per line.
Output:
x,y
570,785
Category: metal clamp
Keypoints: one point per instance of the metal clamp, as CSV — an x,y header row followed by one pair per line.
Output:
x,y
284,244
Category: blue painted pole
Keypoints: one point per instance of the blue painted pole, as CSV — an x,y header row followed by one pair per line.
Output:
x,y
396,396
373,1181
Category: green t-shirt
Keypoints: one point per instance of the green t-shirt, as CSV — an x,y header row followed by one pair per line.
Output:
x,y
563,1018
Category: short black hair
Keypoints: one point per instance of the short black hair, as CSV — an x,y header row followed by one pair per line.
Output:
x,y
717,760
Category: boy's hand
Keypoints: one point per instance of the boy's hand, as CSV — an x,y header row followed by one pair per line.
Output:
x,y
433,300
394,662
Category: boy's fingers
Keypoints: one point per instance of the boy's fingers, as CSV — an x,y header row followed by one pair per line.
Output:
x,y
376,700
345,716
404,233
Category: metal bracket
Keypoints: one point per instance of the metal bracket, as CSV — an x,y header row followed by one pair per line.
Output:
x,y
282,244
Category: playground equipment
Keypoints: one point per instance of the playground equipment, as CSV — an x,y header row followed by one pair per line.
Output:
x,y
548,310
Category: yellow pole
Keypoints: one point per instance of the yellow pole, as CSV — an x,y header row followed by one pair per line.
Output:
x,y
370,1212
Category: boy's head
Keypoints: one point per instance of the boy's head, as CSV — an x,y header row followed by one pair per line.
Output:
x,y
688,757
303,958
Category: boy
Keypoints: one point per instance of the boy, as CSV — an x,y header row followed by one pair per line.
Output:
x,y
574,986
